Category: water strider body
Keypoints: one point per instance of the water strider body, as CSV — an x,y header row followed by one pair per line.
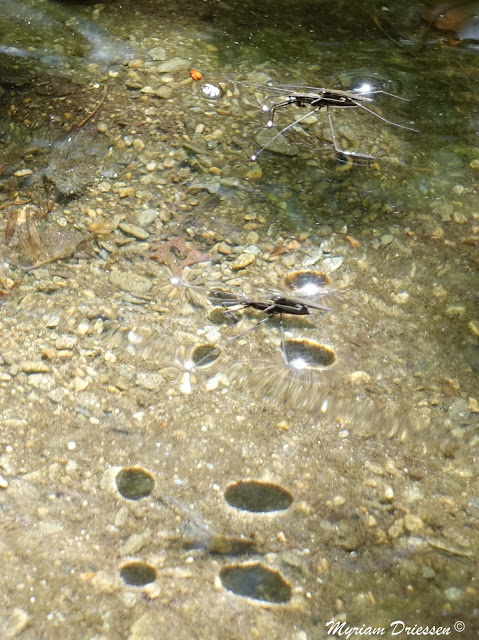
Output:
x,y
276,305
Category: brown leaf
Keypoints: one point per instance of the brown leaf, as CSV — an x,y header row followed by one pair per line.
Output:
x,y
176,254
11,226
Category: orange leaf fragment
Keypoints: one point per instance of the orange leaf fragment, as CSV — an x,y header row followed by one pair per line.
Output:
x,y
352,241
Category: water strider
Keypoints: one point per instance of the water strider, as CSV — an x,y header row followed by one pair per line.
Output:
x,y
319,98
275,305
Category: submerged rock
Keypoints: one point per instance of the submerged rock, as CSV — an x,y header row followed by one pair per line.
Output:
x,y
75,159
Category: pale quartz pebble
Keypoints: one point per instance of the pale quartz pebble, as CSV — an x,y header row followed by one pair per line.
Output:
x,y
147,216
17,621
309,261
185,383
138,145
453,593
437,233
243,261
473,327
375,468
135,543
331,264
223,248
172,65
126,192
80,384
162,92
33,366
400,298
413,524
157,53
438,291
455,312
150,381
41,381
289,261
473,405
255,173
396,529
103,582
459,217
71,466
133,230
152,591
359,377
131,282
213,335
212,383
388,495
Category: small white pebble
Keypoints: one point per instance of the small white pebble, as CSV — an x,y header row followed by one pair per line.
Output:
x,y
72,445
71,466
110,356
400,298
388,494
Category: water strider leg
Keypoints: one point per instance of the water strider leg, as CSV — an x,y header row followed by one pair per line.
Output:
x,y
254,157
341,152
394,124
275,107
242,333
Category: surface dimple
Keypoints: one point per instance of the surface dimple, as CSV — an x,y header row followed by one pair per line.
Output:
x,y
256,581
258,497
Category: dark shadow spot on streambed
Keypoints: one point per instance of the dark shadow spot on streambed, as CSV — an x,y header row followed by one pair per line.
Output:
x,y
258,497
257,582
137,573
307,283
302,354
205,354
134,483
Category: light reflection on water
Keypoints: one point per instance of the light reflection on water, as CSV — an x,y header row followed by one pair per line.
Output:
x,y
399,235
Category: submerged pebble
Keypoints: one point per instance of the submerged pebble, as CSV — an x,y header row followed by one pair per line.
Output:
x,y
243,261
131,282
133,230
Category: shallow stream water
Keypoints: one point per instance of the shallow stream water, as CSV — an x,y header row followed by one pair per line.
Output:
x,y
237,399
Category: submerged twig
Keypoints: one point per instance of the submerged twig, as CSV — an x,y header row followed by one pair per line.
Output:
x,y
92,113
